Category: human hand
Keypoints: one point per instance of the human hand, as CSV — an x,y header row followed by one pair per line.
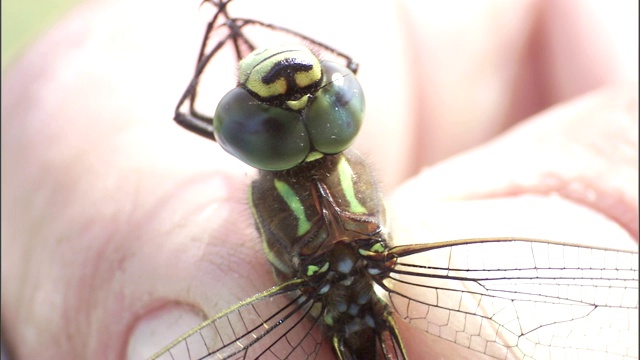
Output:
x,y
111,211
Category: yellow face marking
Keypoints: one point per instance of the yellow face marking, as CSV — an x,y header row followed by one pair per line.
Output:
x,y
279,87
306,78
253,68
298,104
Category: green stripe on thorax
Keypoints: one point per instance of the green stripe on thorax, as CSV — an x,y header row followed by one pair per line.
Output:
x,y
346,181
294,204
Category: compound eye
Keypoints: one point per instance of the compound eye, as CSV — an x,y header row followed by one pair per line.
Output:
x,y
335,114
263,136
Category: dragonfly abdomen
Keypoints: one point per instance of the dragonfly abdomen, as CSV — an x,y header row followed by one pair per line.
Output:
x,y
356,319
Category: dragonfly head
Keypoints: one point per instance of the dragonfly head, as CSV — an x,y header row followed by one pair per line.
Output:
x,y
288,108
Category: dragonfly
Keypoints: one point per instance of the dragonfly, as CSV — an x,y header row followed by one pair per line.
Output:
x,y
340,280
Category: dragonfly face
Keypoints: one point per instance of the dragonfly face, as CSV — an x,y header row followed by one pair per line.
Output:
x,y
341,281
288,108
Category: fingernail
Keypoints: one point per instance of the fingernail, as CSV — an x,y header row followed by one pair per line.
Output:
x,y
159,328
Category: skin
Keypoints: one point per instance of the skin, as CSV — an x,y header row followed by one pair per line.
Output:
x,y
112,214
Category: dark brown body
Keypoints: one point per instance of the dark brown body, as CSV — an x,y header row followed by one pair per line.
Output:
x,y
315,214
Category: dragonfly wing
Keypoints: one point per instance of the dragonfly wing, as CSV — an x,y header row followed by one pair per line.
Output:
x,y
520,298
279,323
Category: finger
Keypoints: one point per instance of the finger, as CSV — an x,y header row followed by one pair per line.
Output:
x,y
92,177
479,67
569,174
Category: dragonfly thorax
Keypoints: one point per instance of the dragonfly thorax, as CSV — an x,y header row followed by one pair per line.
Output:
x,y
316,226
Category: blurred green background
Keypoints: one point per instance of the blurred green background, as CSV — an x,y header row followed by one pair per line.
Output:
x,y
24,20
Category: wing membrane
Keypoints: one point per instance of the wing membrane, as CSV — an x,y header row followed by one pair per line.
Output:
x,y
270,325
518,298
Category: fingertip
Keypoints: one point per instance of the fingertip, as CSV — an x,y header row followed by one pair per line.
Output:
x,y
160,327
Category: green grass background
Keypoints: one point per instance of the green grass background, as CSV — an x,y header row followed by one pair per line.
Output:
x,y
24,20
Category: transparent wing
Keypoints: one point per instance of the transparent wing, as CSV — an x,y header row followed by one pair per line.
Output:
x,y
270,325
520,298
